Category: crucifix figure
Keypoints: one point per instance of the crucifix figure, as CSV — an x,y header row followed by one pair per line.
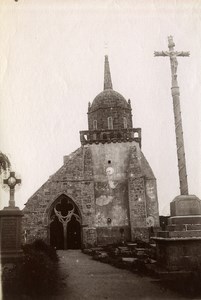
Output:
x,y
177,112
11,181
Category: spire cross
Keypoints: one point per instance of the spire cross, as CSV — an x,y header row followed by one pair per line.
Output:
x,y
11,181
106,48
177,112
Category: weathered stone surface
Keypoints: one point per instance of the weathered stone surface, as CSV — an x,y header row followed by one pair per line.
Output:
x,y
163,234
192,219
97,180
101,110
129,259
183,227
178,247
180,234
179,253
185,205
109,235
185,234
143,200
10,234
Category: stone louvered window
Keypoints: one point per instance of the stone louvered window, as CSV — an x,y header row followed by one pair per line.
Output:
x,y
110,123
125,123
95,124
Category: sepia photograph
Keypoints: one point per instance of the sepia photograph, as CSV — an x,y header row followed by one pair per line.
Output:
x,y
100,149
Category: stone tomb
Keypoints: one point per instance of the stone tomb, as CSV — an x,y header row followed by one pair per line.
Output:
x,y
10,234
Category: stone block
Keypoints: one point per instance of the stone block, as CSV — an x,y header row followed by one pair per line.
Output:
x,y
193,226
140,251
183,227
102,254
175,227
140,233
129,259
196,219
179,253
163,234
132,246
10,234
185,205
123,248
108,235
185,234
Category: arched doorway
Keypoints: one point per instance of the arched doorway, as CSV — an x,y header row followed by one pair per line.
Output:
x,y
74,234
65,224
56,233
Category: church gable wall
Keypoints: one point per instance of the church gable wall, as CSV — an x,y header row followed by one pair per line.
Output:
x,y
74,180
113,187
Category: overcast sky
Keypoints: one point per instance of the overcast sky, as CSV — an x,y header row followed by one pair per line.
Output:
x,y
51,66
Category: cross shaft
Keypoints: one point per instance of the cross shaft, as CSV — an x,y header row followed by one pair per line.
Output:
x,y
177,112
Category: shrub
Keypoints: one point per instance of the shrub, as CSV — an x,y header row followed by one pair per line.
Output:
x,y
40,246
36,275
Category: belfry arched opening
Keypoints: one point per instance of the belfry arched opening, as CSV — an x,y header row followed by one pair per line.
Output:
x,y
65,224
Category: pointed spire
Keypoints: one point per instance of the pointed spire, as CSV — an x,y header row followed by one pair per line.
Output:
x,y
107,75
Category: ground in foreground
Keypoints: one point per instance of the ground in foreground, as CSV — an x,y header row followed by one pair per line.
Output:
x,y
84,278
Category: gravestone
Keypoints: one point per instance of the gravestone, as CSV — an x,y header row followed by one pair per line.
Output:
x,y
10,226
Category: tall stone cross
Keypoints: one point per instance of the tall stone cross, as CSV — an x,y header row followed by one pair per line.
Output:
x,y
11,181
177,112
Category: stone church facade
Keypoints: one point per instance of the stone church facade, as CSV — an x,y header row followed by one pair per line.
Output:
x,y
105,192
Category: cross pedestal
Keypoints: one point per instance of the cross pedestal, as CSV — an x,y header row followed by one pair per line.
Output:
x,y
10,234
178,247
10,226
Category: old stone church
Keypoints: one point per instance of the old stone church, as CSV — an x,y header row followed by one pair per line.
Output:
x,y
105,191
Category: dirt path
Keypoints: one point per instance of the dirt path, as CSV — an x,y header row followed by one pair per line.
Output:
x,y
92,280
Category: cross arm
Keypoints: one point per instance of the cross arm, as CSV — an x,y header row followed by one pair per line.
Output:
x,y
161,53
182,53
18,181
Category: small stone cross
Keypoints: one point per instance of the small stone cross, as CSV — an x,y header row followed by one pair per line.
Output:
x,y
11,181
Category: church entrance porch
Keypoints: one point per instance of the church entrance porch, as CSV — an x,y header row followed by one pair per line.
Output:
x,y
65,224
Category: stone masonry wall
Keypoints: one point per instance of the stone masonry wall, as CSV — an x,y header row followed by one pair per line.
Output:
x,y
117,114
110,163
73,179
113,187
143,200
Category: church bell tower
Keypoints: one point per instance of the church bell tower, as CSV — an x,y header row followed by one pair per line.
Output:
x,y
109,116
